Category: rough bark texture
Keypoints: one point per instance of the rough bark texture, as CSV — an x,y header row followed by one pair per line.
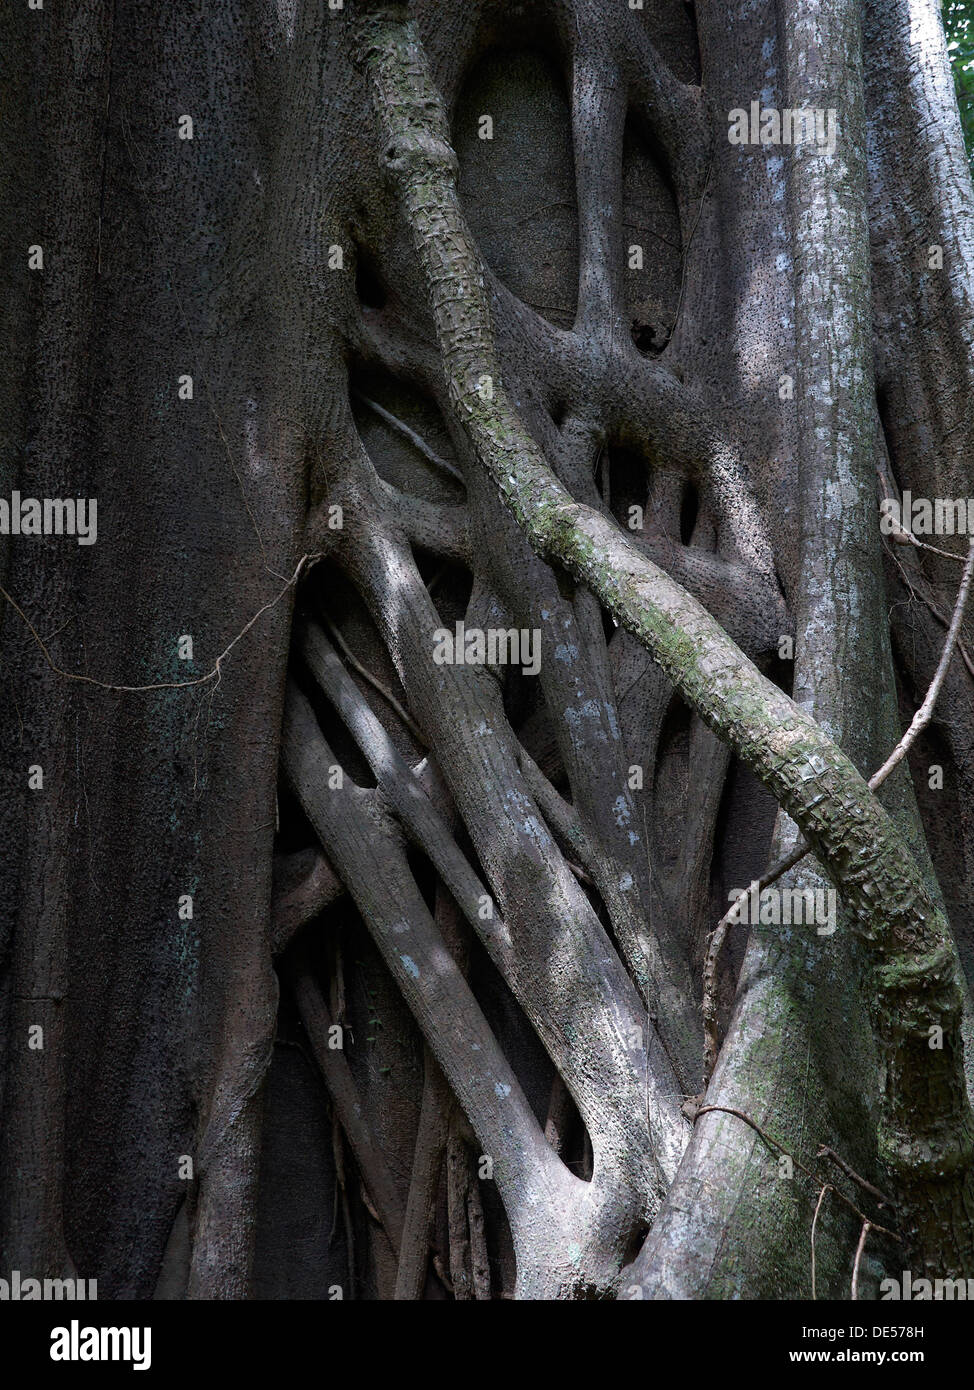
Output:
x,y
432,1027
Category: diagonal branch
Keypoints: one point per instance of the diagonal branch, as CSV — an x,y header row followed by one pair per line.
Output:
x,y
533,1183
927,1129
304,885
919,722
337,1076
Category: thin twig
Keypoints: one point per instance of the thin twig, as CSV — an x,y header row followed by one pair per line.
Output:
x,y
923,715
416,440
375,683
160,685
818,1208
902,535
920,721
809,1172
825,1152
923,598
717,938
934,549
866,1228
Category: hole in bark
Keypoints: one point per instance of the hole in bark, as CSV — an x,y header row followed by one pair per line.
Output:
x,y
297,1243
449,585
519,692
627,483
424,874
742,841
689,507
649,337
558,412
295,832
565,582
653,250
944,808
518,184
527,1057
886,425
690,13
537,734
609,625
670,781
781,673
635,1244
368,283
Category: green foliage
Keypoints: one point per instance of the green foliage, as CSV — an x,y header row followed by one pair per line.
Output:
x,y
959,25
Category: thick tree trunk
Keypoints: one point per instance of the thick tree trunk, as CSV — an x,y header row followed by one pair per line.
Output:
x,y
433,1017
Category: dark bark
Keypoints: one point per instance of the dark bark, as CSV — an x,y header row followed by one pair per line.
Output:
x,y
507,928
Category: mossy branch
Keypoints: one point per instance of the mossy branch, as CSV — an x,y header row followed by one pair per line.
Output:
x,y
927,1129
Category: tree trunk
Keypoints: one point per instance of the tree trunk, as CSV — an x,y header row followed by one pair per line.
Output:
x,y
362,967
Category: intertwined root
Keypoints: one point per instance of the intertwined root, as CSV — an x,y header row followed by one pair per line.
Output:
x,y
591,916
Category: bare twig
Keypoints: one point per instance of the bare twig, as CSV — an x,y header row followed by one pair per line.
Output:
x,y
416,440
213,673
923,715
902,535
373,681
920,721
717,938
866,1228
809,1172
825,1152
925,599
818,1208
